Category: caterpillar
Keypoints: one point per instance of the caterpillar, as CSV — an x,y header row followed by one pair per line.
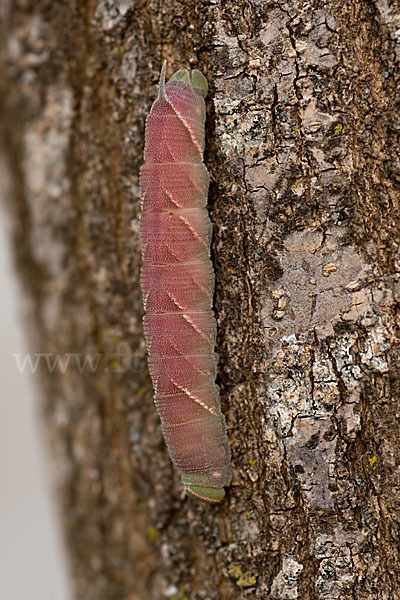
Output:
x,y
178,284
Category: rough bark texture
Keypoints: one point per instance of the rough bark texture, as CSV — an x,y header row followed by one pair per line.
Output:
x,y
302,146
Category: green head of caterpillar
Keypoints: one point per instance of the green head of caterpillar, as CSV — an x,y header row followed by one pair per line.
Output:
x,y
204,487
205,493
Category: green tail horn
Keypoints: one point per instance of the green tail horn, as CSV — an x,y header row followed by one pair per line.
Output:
x,y
195,78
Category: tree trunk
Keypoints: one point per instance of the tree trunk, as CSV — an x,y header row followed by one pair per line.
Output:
x,y
302,148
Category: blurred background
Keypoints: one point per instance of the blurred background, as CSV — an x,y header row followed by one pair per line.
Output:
x,y
32,561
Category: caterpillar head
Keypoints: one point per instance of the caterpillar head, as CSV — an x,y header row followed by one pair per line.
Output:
x,y
205,494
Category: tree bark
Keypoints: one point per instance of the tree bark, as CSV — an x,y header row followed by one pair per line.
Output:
x,y
302,147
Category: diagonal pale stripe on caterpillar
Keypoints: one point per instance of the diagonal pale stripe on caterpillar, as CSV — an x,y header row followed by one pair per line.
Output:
x,y
178,284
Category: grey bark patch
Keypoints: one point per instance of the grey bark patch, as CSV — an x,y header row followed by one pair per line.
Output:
x,y
311,451
111,12
311,294
285,584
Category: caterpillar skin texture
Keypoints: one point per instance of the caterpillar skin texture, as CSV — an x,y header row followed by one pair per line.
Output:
x,y
178,285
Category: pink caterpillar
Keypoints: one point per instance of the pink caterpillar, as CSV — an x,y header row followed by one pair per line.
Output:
x,y
178,285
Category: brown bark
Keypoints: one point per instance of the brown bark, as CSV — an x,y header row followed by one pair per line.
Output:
x,y
302,147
